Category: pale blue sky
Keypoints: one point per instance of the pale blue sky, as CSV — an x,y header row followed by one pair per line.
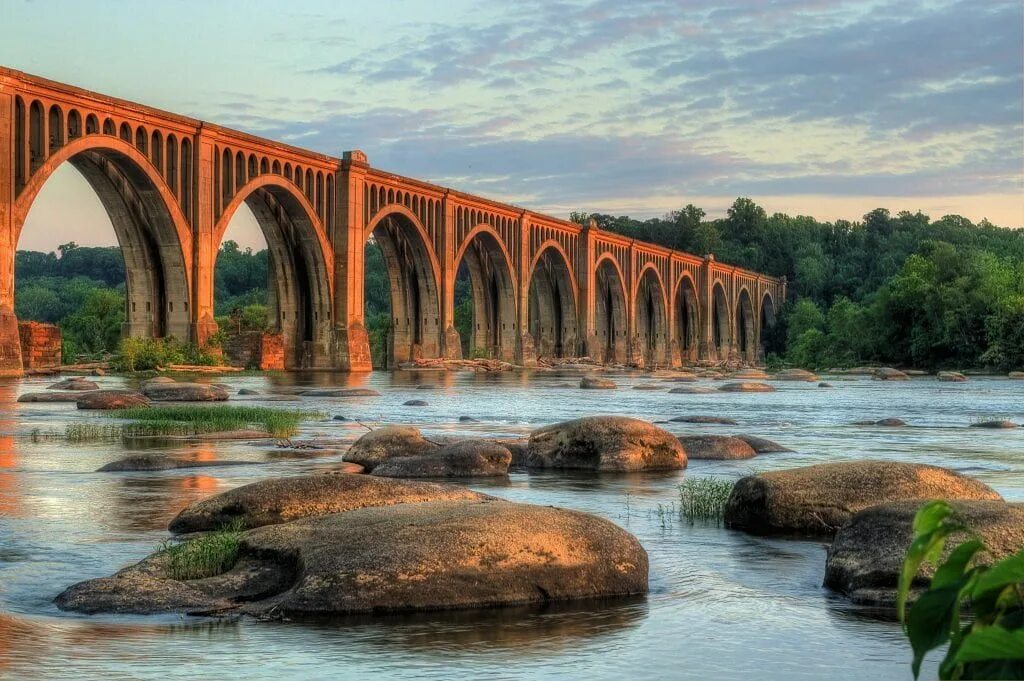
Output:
x,y
807,106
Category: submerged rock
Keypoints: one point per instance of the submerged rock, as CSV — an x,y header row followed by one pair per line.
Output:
x,y
467,419
414,403
746,388
997,424
716,447
692,390
184,392
112,399
817,500
386,443
605,443
594,383
74,383
466,459
762,445
866,556
704,419
889,422
339,392
63,396
248,391
410,557
156,462
280,500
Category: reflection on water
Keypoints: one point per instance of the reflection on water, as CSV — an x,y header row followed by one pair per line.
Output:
x,y
722,605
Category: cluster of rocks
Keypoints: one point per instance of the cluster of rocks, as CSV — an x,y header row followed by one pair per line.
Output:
x,y
356,544
866,508
87,394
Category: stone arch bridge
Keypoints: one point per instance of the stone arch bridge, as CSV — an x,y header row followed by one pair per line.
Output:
x,y
541,287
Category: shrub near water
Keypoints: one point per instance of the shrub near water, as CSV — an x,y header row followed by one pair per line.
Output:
x,y
206,556
704,498
188,420
143,354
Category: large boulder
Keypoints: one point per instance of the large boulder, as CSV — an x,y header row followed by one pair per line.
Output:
x,y
817,500
795,375
889,374
716,447
595,383
74,383
605,443
441,555
866,556
762,445
280,500
466,459
386,443
746,388
112,399
184,392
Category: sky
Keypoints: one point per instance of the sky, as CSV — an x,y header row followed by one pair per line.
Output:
x,y
810,107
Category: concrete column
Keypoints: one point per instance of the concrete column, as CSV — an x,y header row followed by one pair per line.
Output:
x,y
10,341
634,353
706,345
351,342
204,240
585,281
451,343
526,347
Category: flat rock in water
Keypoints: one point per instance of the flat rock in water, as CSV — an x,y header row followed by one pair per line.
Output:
x,y
467,419
704,419
747,374
414,403
605,443
442,555
184,392
339,392
716,447
388,442
74,383
1016,375
817,500
692,390
866,556
112,399
763,445
155,462
998,424
593,383
64,396
951,377
890,422
795,375
465,459
889,374
746,388
280,500
248,391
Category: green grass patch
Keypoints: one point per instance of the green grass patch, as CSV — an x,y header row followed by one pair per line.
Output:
x,y
91,432
191,420
704,498
211,554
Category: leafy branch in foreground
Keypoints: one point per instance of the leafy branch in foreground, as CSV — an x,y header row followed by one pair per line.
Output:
x,y
990,645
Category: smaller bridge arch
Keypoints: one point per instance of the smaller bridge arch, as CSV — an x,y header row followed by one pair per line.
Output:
x,y
650,315
611,314
552,325
494,292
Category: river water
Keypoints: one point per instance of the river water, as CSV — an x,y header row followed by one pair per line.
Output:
x,y
722,605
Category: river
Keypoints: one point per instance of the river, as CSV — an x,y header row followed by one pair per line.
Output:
x,y
722,604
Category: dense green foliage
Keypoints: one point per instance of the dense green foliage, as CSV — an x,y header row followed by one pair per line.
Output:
x,y
902,290
240,278
990,645
146,354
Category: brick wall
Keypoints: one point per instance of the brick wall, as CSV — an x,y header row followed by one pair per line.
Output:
x,y
40,345
271,352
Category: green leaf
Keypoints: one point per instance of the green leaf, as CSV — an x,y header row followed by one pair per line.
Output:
x,y
1008,571
921,548
991,643
953,569
930,516
931,619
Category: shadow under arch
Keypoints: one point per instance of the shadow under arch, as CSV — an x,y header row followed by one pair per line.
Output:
x,y
766,323
746,329
493,290
152,232
610,312
301,275
687,320
553,322
650,310
721,328
414,276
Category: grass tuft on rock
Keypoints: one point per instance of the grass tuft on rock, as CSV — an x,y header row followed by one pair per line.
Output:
x,y
704,498
207,556
191,420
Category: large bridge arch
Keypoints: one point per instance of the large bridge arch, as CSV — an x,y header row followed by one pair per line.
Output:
x,y
721,323
746,327
300,290
650,315
686,320
553,305
494,292
414,275
152,232
611,316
